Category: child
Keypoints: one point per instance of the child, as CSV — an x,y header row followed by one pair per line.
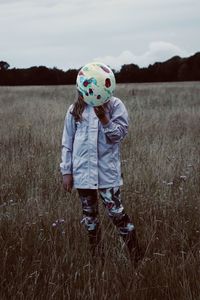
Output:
x,y
94,127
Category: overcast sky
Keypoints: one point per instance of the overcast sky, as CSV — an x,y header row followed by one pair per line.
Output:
x,y
71,33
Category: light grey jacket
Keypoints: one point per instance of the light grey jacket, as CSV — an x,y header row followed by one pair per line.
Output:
x,y
90,150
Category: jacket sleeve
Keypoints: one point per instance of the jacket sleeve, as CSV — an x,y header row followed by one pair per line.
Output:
x,y
67,143
116,129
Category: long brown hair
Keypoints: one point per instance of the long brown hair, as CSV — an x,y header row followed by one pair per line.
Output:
x,y
78,108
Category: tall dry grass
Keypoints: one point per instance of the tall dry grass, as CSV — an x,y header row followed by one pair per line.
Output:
x,y
44,252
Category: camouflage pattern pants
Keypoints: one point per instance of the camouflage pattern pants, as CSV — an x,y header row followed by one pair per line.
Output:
x,y
112,202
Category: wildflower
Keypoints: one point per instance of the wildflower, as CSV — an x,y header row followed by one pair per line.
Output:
x,y
58,222
170,183
61,221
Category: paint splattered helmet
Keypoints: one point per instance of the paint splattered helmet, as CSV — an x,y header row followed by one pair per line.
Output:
x,y
96,83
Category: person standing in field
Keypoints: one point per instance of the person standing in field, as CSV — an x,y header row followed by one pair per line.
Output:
x,y
94,127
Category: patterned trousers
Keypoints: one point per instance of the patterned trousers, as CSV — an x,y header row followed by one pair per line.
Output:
x,y
112,202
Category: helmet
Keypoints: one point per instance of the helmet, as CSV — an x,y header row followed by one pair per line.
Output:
x,y
96,83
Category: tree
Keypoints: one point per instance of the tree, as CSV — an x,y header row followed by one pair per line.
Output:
x,y
4,65
128,73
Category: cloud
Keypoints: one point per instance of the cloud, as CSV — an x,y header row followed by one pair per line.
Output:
x,y
157,51
70,33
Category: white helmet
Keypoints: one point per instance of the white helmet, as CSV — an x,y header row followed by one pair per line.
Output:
x,y
96,82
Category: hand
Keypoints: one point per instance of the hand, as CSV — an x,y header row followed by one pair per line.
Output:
x,y
68,182
101,114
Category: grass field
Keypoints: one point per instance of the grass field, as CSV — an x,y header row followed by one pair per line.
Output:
x,y
43,246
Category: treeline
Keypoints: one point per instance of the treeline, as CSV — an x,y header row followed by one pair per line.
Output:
x,y
174,69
